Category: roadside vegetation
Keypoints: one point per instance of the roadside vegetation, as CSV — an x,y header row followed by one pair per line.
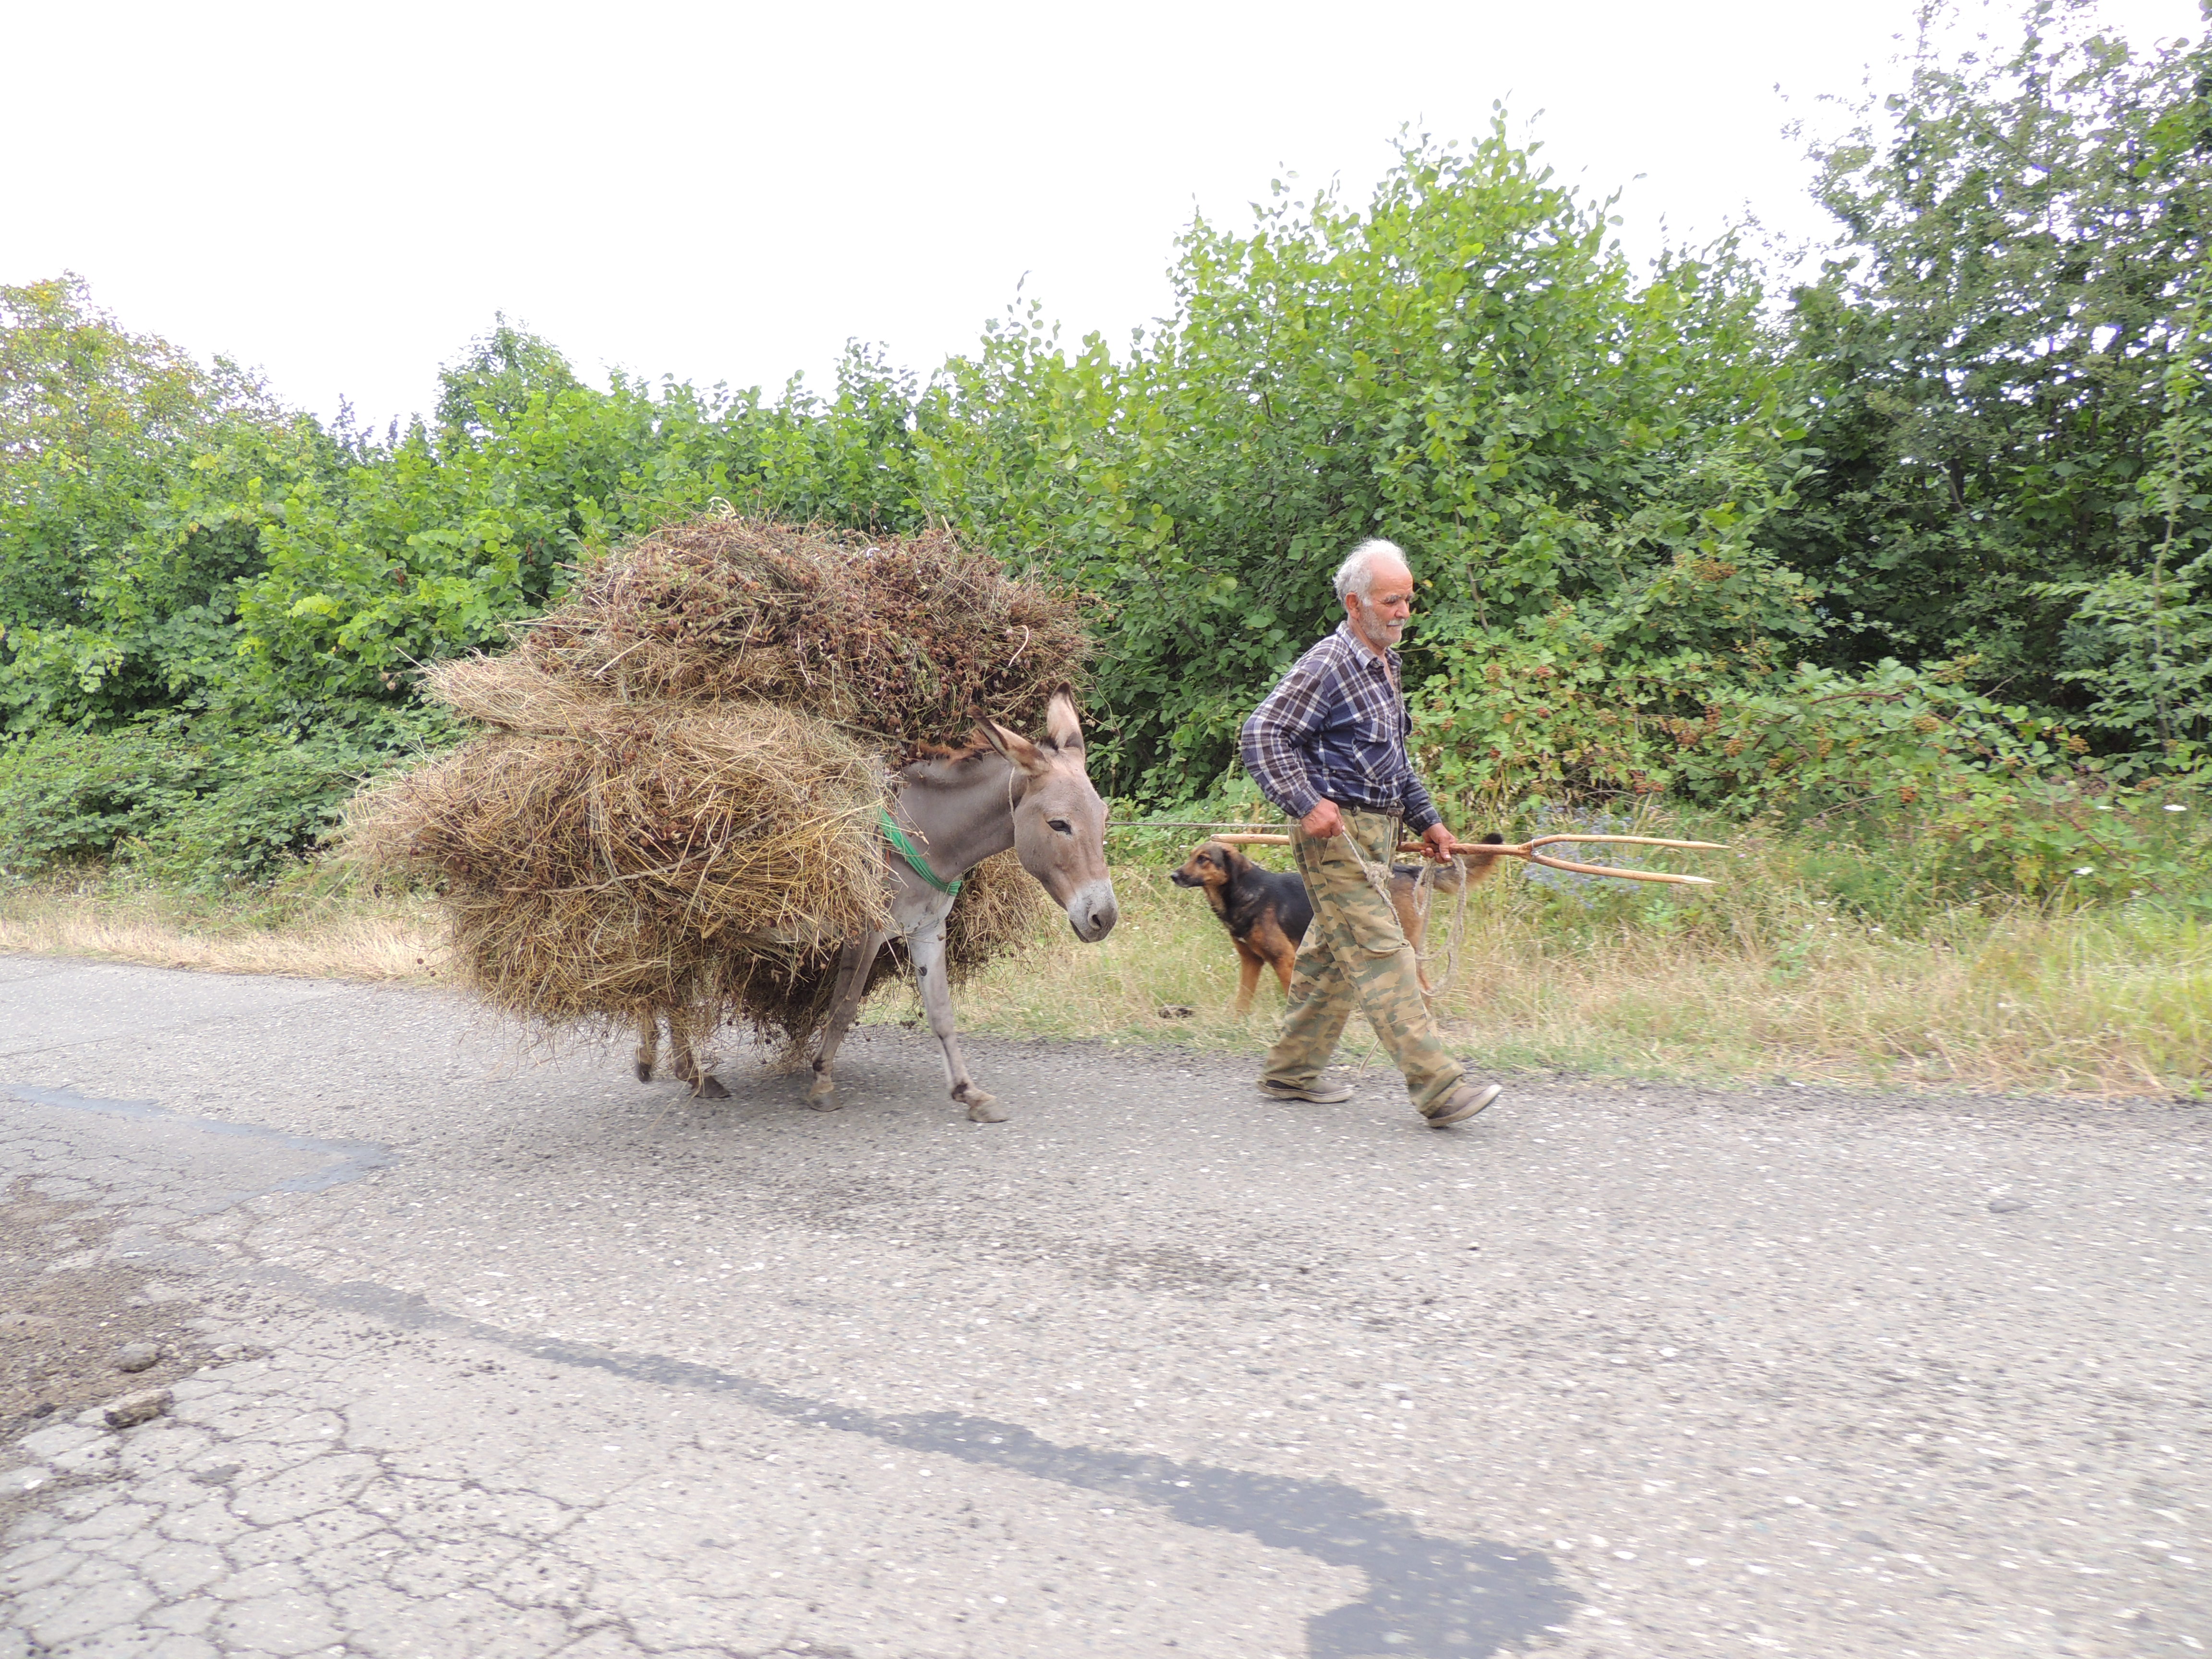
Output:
x,y
1896,573
1777,976
1787,971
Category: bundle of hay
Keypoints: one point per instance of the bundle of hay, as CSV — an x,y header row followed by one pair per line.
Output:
x,y
675,806
908,640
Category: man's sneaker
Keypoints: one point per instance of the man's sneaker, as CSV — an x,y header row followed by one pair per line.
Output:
x,y
1464,1101
1317,1092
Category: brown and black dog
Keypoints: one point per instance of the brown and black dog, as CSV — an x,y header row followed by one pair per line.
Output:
x,y
1267,913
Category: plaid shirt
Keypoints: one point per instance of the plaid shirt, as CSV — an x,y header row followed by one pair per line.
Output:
x,y
1335,728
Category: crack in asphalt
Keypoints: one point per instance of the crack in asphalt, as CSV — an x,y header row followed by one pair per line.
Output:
x,y
354,1159
1426,1595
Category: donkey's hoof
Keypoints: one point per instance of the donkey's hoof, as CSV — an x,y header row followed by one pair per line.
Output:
x,y
826,1101
709,1087
985,1109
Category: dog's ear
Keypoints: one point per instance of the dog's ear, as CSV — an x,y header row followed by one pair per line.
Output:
x,y
1493,839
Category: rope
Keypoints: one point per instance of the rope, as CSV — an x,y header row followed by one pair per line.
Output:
x,y
1378,875
1453,935
1196,823
1378,878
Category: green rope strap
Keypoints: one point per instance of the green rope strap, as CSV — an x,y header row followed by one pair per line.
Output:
x,y
897,837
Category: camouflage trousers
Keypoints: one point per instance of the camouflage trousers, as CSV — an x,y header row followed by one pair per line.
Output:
x,y
1355,954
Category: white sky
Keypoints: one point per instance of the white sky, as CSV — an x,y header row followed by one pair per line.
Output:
x,y
343,196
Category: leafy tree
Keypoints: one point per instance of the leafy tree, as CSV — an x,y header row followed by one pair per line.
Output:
x,y
1467,365
72,381
495,378
134,484
2003,357
2147,632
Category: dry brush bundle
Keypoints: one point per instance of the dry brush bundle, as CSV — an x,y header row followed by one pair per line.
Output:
x,y
910,639
600,857
652,823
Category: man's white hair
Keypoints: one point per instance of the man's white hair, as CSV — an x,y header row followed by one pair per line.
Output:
x,y
1357,573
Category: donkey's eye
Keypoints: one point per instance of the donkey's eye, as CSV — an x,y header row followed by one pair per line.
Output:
x,y
1061,825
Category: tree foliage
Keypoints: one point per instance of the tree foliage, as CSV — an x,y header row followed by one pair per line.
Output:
x,y
1933,538
2007,354
1467,366
73,383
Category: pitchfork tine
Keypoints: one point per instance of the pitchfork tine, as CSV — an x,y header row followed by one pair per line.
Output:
x,y
1632,841
1527,849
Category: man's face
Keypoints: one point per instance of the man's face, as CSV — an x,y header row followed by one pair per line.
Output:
x,y
1380,618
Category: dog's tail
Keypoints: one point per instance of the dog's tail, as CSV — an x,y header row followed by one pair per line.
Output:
x,y
1468,867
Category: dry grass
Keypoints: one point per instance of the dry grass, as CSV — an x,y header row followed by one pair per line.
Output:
x,y
2099,1003
908,639
2095,1002
607,858
396,941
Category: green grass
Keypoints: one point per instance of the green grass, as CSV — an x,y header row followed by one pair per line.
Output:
x,y
1771,974
1814,960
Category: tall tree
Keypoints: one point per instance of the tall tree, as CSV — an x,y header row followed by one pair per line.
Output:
x,y
2003,348
71,378
1465,364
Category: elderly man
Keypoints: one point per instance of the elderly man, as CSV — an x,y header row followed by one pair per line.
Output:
x,y
1328,747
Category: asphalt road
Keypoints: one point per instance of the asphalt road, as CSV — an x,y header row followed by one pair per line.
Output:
x,y
478,1354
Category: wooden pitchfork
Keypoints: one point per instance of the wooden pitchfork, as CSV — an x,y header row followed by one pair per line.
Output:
x,y
1527,849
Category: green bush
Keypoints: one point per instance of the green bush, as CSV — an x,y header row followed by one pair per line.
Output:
x,y
270,804
67,796
208,812
1924,560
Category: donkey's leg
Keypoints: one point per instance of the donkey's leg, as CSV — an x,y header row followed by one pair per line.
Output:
x,y
705,1085
926,946
855,959
648,1043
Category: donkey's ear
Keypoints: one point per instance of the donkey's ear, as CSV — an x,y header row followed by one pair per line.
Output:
x,y
1063,730
1027,757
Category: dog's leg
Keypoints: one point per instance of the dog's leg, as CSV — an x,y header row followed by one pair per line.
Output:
x,y
1410,902
1248,963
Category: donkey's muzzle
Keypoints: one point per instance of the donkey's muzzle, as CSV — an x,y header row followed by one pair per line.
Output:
x,y
1092,912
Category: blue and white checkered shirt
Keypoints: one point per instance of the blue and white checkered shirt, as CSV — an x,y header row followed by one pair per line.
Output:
x,y
1335,728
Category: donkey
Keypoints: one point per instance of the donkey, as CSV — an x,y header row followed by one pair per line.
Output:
x,y
955,811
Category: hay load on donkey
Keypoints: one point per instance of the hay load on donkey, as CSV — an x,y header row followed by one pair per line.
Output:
x,y
739,761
